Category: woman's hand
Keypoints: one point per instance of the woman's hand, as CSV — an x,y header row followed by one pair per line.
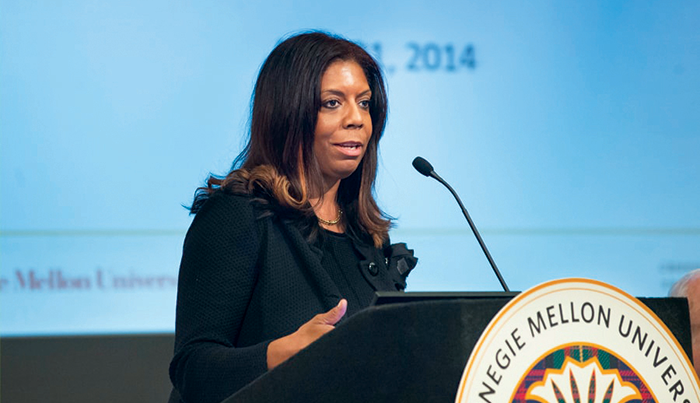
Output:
x,y
278,351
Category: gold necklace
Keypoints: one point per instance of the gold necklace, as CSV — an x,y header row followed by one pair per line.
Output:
x,y
331,222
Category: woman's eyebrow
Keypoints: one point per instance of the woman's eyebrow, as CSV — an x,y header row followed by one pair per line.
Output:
x,y
341,93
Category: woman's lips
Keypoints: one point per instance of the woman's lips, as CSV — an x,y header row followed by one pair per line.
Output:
x,y
350,148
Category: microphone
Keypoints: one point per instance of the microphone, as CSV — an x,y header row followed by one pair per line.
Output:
x,y
423,166
426,169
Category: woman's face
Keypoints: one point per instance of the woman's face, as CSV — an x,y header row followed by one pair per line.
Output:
x,y
344,125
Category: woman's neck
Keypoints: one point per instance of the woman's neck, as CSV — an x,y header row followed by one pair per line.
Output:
x,y
326,207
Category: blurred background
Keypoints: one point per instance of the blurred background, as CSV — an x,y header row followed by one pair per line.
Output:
x,y
570,129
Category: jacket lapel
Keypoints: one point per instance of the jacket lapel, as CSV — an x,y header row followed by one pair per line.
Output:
x,y
310,257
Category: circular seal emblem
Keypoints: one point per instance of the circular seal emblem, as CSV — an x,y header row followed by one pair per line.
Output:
x,y
577,341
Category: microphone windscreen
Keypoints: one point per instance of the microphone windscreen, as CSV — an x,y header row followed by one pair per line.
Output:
x,y
422,166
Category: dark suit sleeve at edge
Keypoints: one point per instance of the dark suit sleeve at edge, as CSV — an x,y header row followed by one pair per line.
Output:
x,y
217,276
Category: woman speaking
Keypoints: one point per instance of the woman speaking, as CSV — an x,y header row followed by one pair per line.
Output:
x,y
291,241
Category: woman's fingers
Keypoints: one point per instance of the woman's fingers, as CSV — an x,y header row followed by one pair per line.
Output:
x,y
281,349
334,315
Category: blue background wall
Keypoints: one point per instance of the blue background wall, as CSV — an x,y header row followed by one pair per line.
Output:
x,y
570,130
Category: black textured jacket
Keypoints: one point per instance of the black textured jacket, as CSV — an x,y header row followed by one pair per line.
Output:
x,y
244,283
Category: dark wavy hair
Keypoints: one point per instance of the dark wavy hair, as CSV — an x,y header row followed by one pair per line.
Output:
x,y
278,165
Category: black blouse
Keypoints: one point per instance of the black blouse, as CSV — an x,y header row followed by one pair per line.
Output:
x,y
342,262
